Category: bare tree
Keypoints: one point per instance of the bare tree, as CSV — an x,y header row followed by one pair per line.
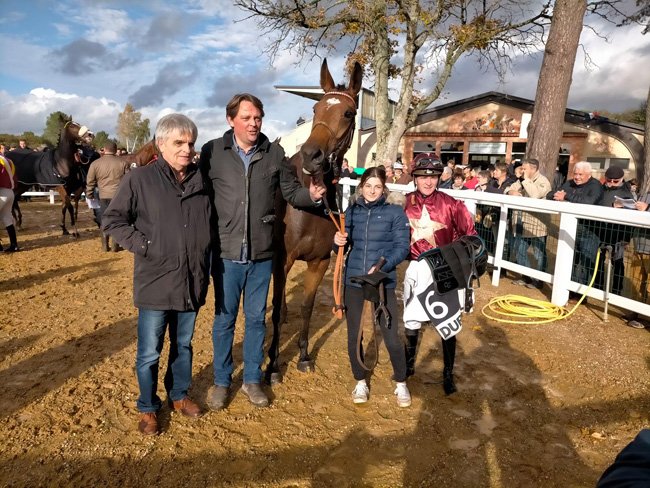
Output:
x,y
547,123
417,42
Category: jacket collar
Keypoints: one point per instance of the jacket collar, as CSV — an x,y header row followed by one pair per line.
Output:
x,y
362,202
263,143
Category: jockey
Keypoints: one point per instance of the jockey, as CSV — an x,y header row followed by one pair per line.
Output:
x,y
7,185
436,219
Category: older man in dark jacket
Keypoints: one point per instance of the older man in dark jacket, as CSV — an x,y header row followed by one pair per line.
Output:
x,y
245,171
614,235
161,213
583,188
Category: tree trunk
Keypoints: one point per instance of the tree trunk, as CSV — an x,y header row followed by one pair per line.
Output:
x,y
641,174
547,123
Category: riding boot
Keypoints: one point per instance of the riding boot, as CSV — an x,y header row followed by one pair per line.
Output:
x,y
104,238
448,356
13,242
411,347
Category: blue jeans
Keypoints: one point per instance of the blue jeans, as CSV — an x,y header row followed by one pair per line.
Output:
x,y
230,279
521,245
586,249
151,334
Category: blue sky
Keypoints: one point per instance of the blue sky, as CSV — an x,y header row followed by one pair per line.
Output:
x,y
89,58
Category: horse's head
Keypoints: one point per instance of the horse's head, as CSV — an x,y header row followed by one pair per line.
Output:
x,y
74,134
66,153
333,125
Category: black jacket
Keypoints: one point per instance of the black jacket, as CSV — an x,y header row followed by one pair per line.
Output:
x,y
609,194
167,226
590,192
244,202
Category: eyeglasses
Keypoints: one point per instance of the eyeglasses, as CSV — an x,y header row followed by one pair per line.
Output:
x,y
617,180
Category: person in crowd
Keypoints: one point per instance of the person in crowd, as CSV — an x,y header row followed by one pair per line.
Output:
x,y
501,180
471,176
436,219
586,189
640,240
374,230
244,171
459,181
518,170
400,177
634,187
530,229
162,214
22,145
7,185
103,179
483,180
3,149
615,235
346,171
390,174
451,163
446,178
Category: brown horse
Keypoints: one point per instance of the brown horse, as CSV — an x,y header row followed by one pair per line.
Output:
x,y
58,168
143,156
308,235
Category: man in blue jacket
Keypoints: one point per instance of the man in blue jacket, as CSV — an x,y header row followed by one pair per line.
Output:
x,y
245,170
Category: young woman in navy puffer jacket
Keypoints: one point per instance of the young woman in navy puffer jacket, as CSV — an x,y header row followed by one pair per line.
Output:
x,y
374,229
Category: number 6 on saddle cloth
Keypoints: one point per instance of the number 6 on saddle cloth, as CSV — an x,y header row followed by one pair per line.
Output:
x,y
458,266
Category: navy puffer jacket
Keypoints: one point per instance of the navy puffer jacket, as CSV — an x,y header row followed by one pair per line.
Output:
x,y
374,230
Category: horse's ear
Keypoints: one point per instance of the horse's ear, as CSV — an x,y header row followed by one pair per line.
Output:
x,y
326,81
356,78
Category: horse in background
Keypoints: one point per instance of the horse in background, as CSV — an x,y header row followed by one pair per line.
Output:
x,y
56,168
145,155
309,235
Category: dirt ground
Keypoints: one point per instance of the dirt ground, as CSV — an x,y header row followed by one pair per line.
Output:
x,y
538,405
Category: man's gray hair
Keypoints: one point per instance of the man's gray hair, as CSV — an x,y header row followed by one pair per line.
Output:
x,y
447,170
586,165
171,123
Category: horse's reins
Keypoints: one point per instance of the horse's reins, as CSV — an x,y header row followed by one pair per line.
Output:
x,y
380,309
344,144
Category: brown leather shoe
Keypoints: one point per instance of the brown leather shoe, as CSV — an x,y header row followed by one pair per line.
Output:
x,y
187,407
148,424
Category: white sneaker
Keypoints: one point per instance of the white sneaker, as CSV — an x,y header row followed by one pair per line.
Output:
x,y
360,392
403,395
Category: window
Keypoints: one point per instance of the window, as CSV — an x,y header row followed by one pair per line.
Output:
x,y
623,163
452,150
597,163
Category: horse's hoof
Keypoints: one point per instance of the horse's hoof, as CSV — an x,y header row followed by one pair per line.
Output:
x,y
65,232
275,378
306,366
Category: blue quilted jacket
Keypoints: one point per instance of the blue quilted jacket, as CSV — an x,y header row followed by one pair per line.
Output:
x,y
374,230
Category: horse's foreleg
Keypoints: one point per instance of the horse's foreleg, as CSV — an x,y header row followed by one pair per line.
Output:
x,y
278,316
313,277
74,214
65,202
17,214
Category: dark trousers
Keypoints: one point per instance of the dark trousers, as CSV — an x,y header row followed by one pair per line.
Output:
x,y
354,302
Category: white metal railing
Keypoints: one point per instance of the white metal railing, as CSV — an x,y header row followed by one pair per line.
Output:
x,y
569,213
51,193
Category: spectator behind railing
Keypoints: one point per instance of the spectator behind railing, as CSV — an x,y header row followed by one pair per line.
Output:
x,y
615,235
529,229
446,178
641,248
583,188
